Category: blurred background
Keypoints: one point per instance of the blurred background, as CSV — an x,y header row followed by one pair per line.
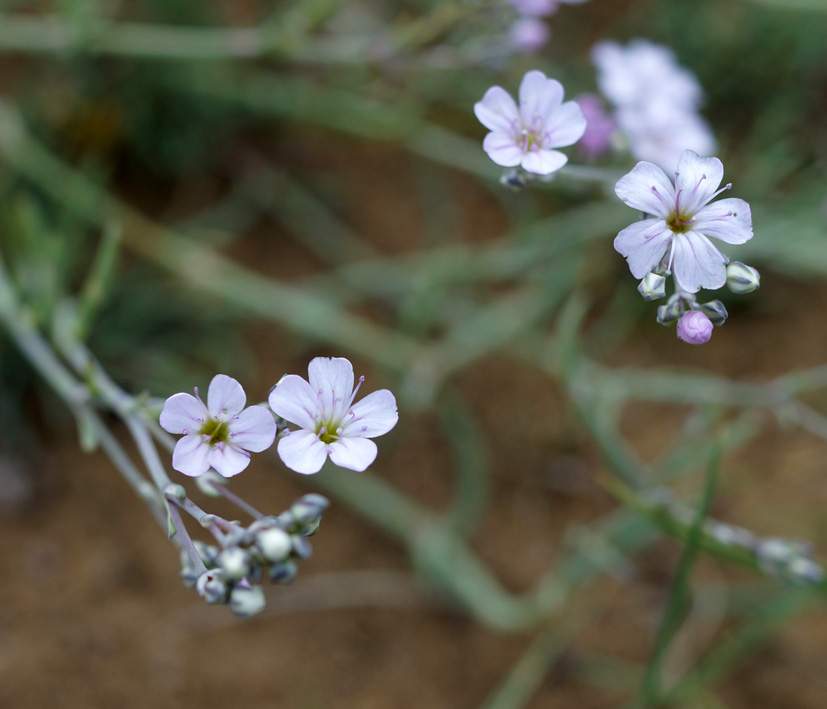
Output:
x,y
293,179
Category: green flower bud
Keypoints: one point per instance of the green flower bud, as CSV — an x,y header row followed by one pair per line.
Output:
x,y
741,278
715,311
667,314
245,602
652,287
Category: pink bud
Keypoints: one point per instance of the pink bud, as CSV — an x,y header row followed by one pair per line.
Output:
x,y
694,327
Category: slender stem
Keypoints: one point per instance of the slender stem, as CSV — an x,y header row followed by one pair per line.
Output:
x,y
144,489
183,536
236,500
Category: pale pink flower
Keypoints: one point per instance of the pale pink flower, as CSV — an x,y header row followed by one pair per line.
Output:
x,y
529,34
330,424
527,135
656,100
220,434
694,328
682,221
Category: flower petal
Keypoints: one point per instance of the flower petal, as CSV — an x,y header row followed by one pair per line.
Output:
x,y
190,456
228,460
353,453
729,220
565,126
502,149
294,400
183,413
544,162
374,415
697,263
333,376
539,98
254,429
643,244
225,396
696,180
497,110
302,452
648,189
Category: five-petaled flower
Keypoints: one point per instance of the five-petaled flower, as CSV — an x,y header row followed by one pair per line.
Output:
x,y
330,424
676,235
219,434
527,135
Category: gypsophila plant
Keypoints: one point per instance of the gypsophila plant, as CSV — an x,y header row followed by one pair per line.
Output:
x,y
324,177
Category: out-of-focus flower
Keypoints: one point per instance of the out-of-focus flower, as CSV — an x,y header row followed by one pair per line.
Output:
x,y
644,73
219,434
600,127
529,34
662,136
541,8
656,100
682,221
527,135
330,424
694,328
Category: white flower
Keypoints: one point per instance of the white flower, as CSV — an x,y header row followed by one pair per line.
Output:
x,y
219,434
657,100
528,135
644,73
682,221
330,424
661,137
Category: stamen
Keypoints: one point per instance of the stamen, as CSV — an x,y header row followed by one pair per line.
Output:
x,y
353,395
320,433
723,189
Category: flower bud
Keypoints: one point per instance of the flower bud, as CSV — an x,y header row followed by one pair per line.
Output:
x,y
694,327
212,587
652,287
274,544
245,602
514,179
235,563
667,314
301,547
309,508
206,483
283,572
715,311
208,553
741,278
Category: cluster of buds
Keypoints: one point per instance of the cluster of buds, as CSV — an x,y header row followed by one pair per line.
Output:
x,y
695,320
267,549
